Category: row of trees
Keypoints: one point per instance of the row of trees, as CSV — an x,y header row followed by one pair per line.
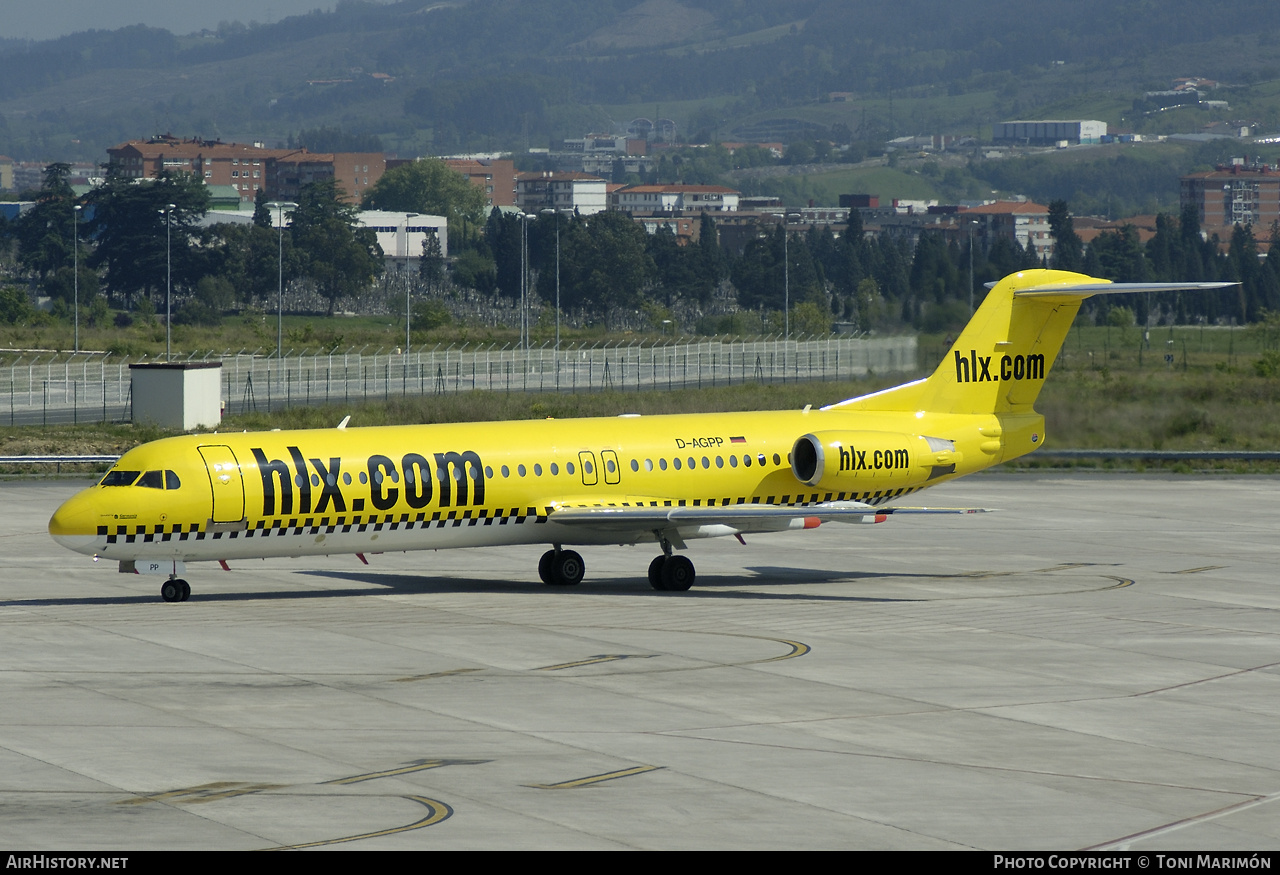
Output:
x,y
1178,252
134,240
608,261
131,239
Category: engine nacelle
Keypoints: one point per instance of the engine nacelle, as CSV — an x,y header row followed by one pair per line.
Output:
x,y
845,461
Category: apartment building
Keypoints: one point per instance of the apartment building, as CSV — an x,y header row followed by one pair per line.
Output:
x,y
1023,221
566,192
496,177
675,197
1234,194
248,168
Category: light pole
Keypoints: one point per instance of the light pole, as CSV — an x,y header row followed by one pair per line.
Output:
x,y
408,314
524,282
556,213
786,275
972,222
75,261
167,212
280,207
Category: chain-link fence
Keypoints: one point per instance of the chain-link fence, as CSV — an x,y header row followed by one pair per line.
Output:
x,y
97,389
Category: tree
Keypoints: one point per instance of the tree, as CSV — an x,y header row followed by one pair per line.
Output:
x,y
129,227
757,275
45,232
14,305
681,271
1068,251
712,266
431,187
338,255
252,258
603,262
431,266
472,270
502,234
1121,255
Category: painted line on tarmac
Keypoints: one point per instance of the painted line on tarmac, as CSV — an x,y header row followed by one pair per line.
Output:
x,y
596,779
1066,566
419,766
596,660
437,813
1197,570
434,674
1124,844
203,793
798,648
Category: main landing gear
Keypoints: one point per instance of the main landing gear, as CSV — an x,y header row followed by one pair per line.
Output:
x,y
561,568
668,572
175,590
671,573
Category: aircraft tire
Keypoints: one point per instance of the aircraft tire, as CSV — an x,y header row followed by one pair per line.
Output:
x,y
677,574
186,589
170,591
544,567
567,569
655,572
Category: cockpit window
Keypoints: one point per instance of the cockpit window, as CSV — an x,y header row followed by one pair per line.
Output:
x,y
119,478
171,480
152,480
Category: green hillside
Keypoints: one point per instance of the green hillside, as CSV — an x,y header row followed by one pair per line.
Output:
x,y
504,74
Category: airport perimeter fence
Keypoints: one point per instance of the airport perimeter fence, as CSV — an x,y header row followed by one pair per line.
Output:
x,y
96,388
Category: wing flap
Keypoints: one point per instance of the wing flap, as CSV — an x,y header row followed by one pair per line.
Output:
x,y
731,519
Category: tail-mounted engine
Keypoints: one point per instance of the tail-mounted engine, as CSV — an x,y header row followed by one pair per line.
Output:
x,y
842,461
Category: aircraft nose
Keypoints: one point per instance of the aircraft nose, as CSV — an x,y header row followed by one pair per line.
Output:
x,y
74,522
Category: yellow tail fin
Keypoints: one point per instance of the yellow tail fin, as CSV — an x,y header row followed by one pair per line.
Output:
x,y
1001,359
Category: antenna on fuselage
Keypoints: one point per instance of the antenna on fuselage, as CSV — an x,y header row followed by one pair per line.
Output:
x,y
342,425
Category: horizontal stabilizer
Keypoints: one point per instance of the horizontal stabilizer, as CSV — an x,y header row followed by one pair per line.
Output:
x,y
1085,290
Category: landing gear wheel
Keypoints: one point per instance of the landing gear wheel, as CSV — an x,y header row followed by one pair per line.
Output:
x,y
677,574
655,572
171,591
566,569
186,589
544,567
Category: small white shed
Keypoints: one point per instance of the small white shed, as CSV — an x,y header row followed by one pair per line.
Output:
x,y
183,395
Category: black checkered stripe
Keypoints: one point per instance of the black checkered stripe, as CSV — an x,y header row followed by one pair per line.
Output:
x,y
799,500
328,525
446,519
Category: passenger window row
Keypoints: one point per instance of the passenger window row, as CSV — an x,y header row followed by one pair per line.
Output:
x,y
692,463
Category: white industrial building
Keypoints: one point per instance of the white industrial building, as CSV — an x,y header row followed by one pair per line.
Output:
x,y
402,235
1049,132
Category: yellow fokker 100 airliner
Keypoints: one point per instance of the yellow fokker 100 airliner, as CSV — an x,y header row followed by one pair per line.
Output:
x,y
666,479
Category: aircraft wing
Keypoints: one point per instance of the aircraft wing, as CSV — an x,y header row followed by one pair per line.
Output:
x,y
729,520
